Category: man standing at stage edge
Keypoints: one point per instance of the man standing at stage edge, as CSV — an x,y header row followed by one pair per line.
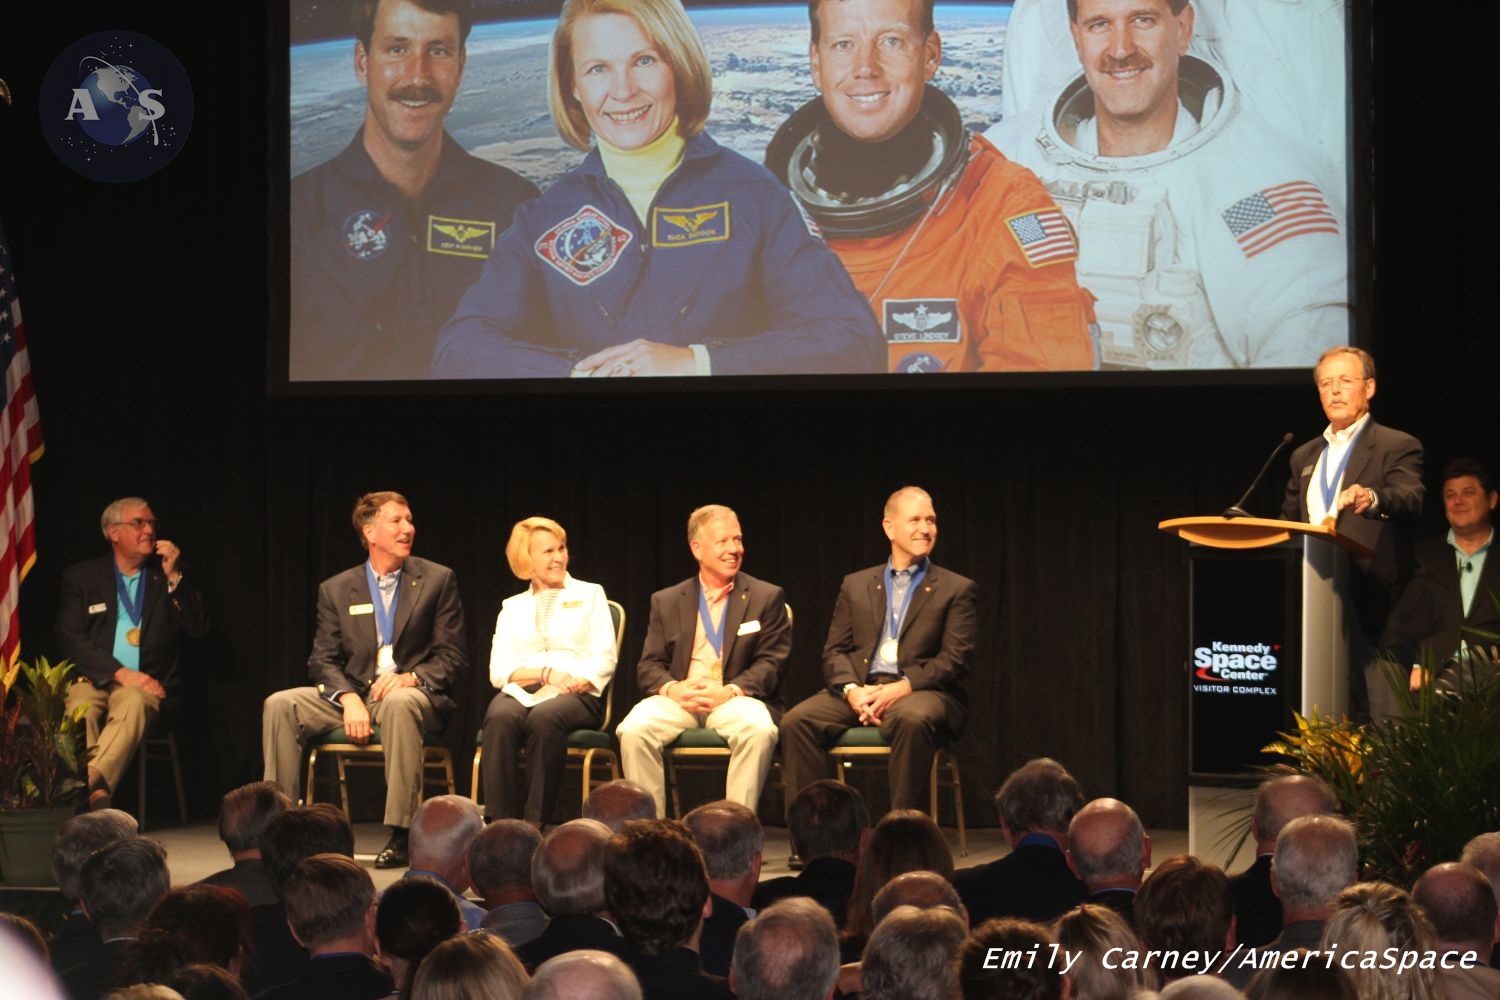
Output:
x,y
388,234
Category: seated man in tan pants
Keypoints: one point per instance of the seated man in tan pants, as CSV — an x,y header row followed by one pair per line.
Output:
x,y
714,654
121,619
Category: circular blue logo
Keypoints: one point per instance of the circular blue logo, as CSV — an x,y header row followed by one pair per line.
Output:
x,y
116,106
918,363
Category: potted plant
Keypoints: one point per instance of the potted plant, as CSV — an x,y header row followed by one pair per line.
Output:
x,y
42,764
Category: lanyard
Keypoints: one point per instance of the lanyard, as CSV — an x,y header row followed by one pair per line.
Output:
x,y
384,616
132,608
1330,486
897,616
714,636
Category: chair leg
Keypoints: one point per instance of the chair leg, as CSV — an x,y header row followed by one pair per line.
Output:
x,y
476,793
177,779
586,776
448,771
671,775
141,757
932,789
309,787
958,806
343,782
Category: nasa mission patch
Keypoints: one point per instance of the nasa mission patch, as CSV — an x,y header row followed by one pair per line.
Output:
x,y
584,246
921,321
365,235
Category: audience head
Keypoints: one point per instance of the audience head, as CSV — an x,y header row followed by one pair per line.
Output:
x,y
1040,981
301,832
923,890
500,859
80,836
1483,852
583,975
655,885
1278,801
413,916
1185,904
26,977
205,982
1108,846
1040,796
245,812
905,840
910,955
194,925
329,904
730,839
121,883
1461,905
470,967
143,991
789,951
1309,977
617,802
1374,916
567,871
828,819
1090,931
25,933
1317,857
441,832
1199,988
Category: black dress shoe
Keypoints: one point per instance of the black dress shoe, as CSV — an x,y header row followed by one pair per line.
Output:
x,y
795,862
394,853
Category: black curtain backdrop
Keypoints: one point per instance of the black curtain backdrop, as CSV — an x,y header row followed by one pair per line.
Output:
x,y
147,307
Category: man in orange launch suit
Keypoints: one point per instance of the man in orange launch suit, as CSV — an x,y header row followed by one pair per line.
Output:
x,y
964,256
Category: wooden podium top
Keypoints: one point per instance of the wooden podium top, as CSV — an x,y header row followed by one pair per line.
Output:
x,y
1255,533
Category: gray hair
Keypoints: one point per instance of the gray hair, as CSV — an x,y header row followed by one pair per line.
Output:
x,y
1316,858
596,975
111,515
1106,841
501,854
82,835
567,871
729,836
617,802
442,830
1278,801
922,890
1483,852
1039,795
790,951
910,956
120,884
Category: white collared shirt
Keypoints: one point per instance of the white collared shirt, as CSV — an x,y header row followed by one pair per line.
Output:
x,y
1338,447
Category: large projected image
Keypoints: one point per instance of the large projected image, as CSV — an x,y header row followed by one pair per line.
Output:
x,y
1039,187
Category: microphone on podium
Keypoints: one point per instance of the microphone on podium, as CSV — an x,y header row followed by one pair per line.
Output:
x,y
1238,510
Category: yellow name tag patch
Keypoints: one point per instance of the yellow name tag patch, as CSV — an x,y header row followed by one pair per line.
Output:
x,y
361,609
460,237
685,227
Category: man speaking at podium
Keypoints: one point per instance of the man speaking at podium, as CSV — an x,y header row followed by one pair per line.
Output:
x,y
1365,480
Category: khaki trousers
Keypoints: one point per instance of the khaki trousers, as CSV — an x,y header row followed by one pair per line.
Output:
x,y
114,725
744,722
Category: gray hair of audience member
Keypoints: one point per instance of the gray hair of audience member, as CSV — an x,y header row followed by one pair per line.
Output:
x,y
1460,903
327,897
923,890
729,836
617,802
567,870
1278,801
470,967
1309,977
1200,988
827,818
1090,931
789,951
1372,917
206,982
583,975
980,980
1039,795
1483,852
300,833
500,856
143,991
1106,841
111,515
245,812
82,835
121,882
1316,858
910,956
442,830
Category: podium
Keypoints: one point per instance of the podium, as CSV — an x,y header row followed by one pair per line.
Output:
x,y
1268,634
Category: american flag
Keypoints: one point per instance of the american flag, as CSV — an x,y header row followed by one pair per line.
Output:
x,y
1045,237
21,442
1278,213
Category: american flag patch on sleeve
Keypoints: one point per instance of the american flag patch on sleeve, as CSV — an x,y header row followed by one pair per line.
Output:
x,y
1045,237
1278,213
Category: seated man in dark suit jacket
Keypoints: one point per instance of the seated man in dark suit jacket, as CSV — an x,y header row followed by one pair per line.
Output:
x,y
1033,881
121,885
567,873
731,840
389,647
330,901
78,941
244,814
829,826
1109,850
121,619
901,640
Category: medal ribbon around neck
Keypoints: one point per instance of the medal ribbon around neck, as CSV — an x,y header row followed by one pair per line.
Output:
x,y
132,608
714,636
384,616
894,615
1328,487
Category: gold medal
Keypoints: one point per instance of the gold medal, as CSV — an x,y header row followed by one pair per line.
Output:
x,y
133,636
888,650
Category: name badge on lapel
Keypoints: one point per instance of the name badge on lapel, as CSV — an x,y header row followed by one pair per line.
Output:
x,y
749,627
361,609
95,609
572,604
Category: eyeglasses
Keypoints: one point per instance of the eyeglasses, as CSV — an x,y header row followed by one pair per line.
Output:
x,y
1343,382
142,523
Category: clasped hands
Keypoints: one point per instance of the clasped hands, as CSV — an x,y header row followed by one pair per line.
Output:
x,y
870,701
699,695
566,682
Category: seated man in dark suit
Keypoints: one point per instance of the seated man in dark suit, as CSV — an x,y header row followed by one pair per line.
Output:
x,y
244,813
121,884
500,868
567,873
1463,914
731,840
389,646
829,827
1109,850
1033,882
900,642
288,840
330,905
121,619
78,941
1278,801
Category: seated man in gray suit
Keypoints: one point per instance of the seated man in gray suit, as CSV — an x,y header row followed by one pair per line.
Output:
x,y
389,645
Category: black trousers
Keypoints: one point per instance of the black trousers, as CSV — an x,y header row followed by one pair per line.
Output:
x,y
543,730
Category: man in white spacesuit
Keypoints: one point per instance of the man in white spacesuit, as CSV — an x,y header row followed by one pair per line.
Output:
x,y
1212,238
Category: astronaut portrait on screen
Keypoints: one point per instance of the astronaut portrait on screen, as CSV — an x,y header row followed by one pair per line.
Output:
x,y
1211,222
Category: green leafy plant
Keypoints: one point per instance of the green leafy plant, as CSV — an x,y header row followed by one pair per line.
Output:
x,y
42,757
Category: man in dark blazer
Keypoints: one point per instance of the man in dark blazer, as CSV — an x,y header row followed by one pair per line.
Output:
x,y
1109,850
330,907
901,640
714,654
1366,479
829,827
388,649
567,873
121,620
731,840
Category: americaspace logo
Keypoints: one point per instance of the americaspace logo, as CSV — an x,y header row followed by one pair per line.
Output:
x,y
116,106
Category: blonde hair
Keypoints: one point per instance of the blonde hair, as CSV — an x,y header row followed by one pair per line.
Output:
x,y
518,549
474,966
1372,917
1091,930
671,33
708,512
905,491
1365,360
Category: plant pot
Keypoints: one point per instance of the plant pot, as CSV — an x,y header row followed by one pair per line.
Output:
x,y
26,837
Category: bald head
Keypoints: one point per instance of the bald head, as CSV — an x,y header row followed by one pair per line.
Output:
x,y
567,871
617,802
1107,846
1281,800
924,890
1461,905
596,975
1483,852
441,833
